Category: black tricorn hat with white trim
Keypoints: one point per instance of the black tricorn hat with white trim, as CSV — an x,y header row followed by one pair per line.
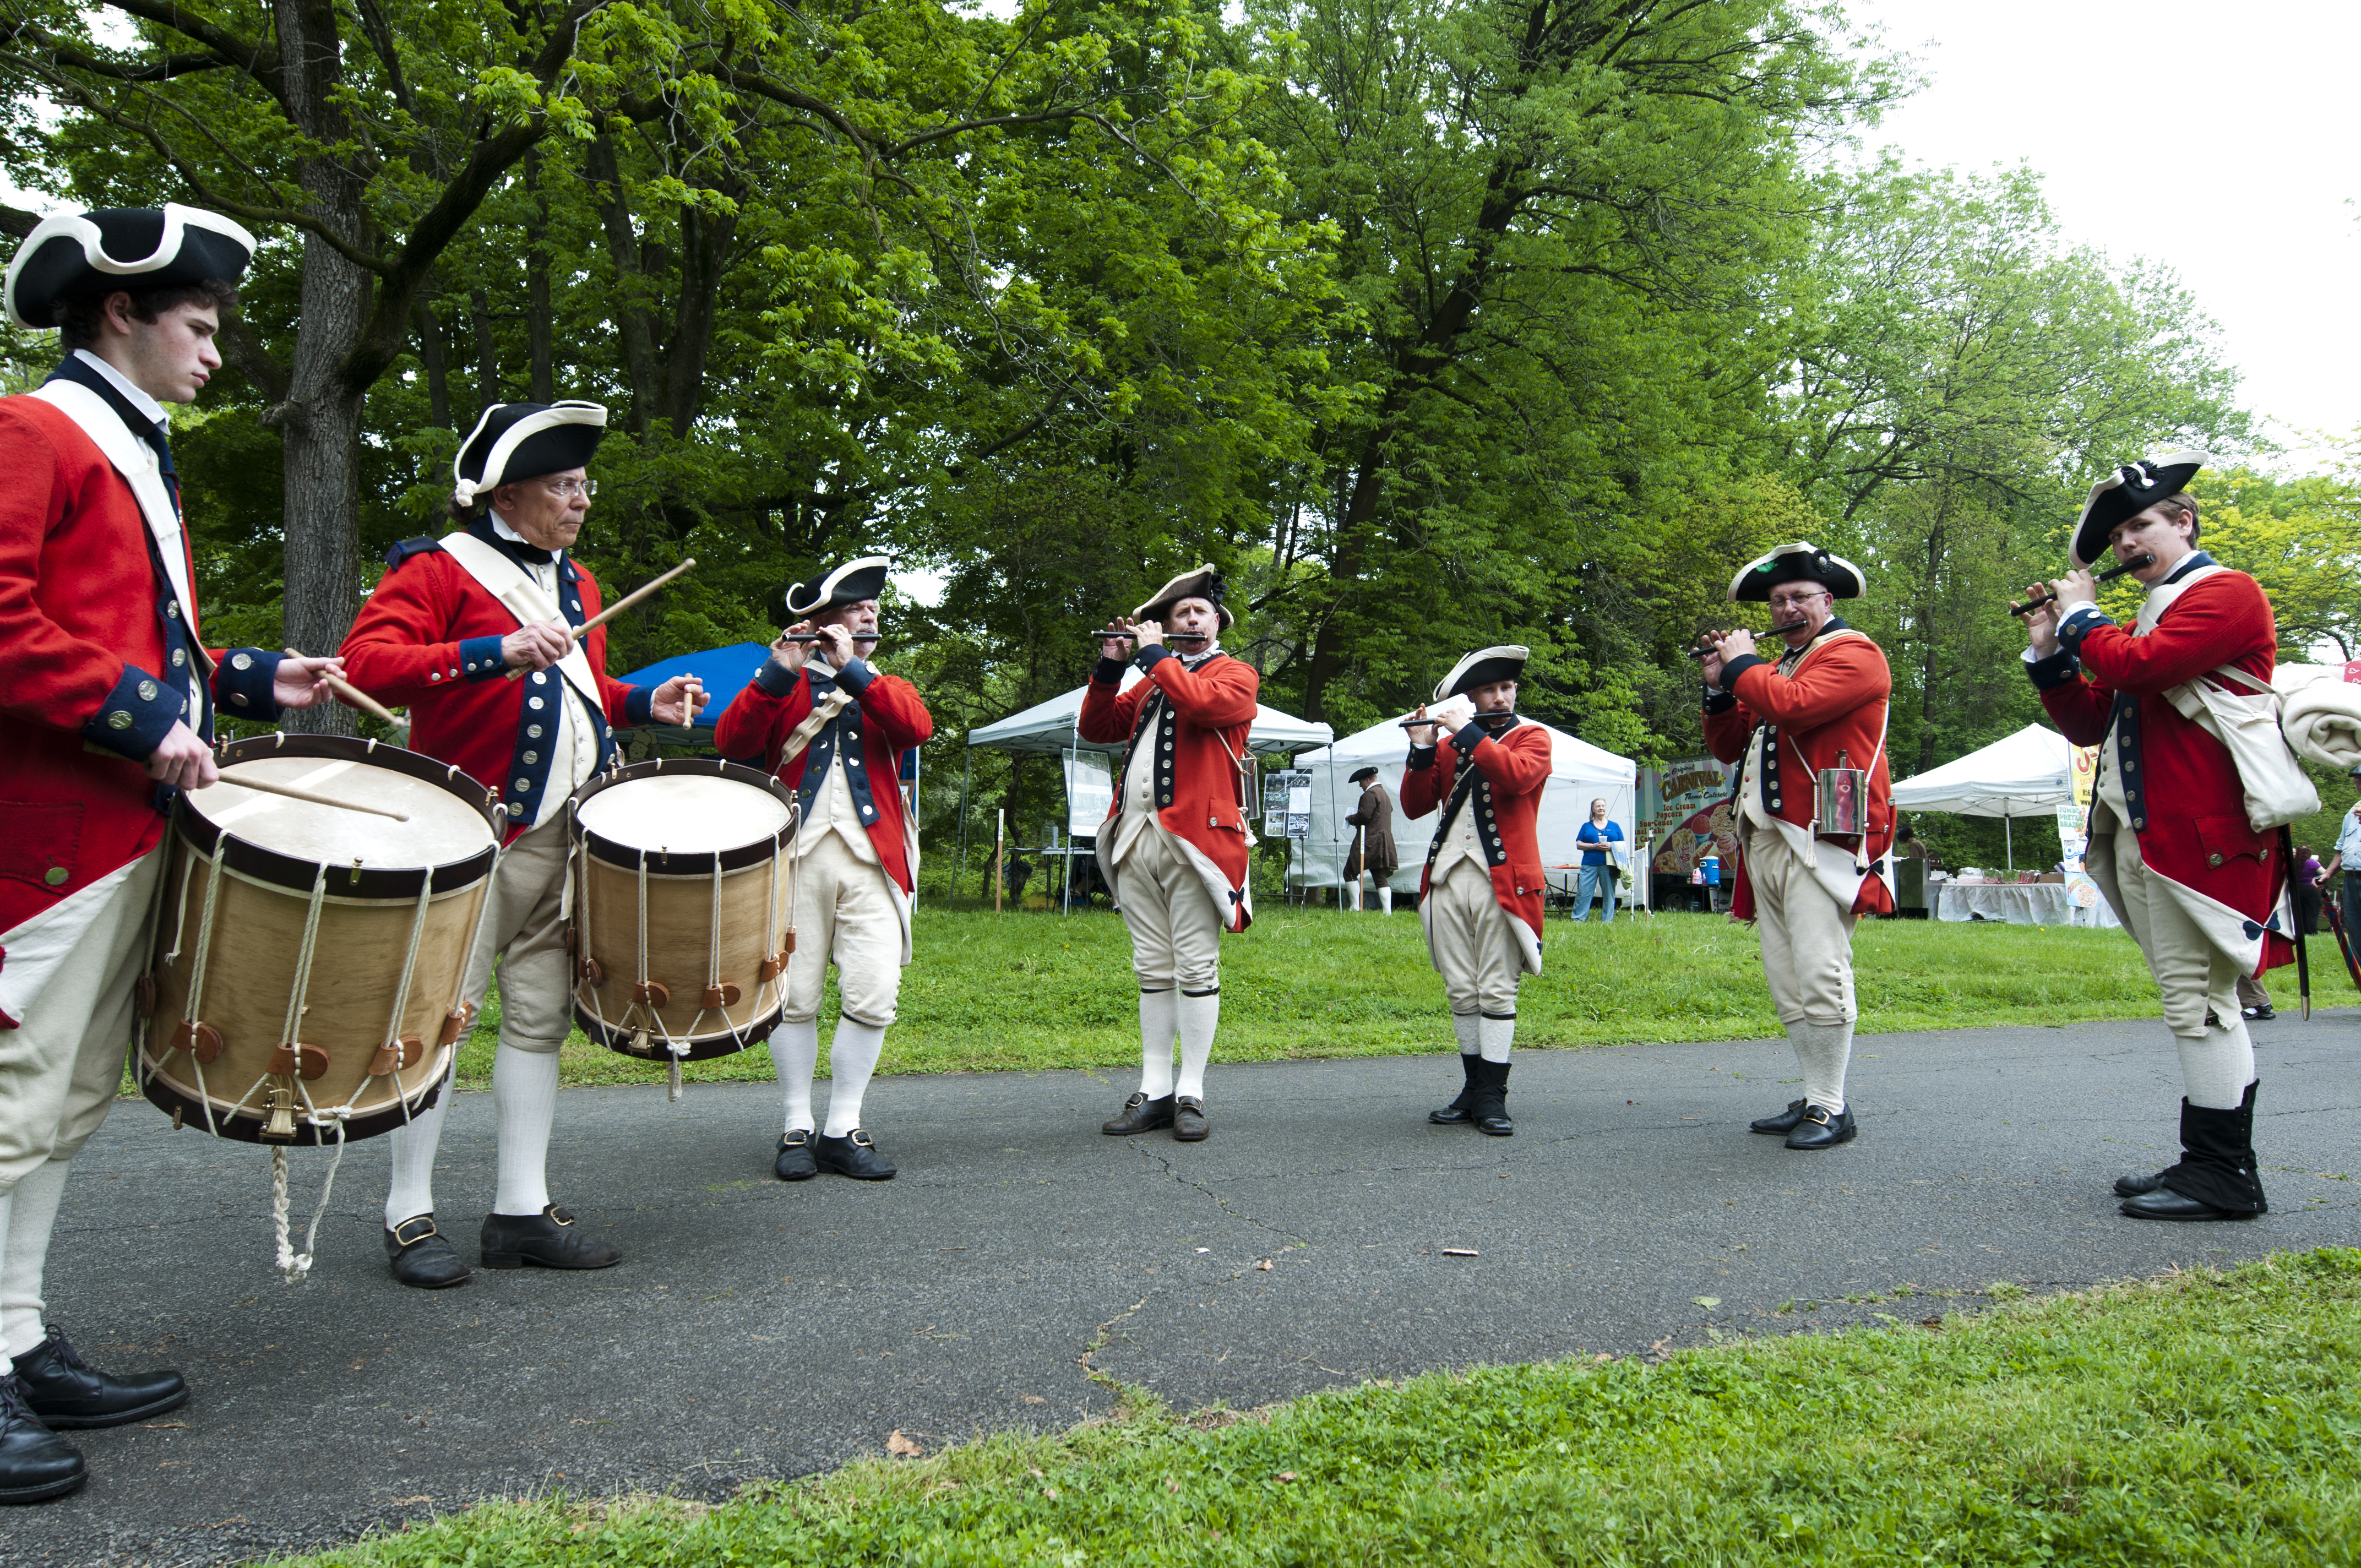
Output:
x,y
1363,773
851,583
2127,492
1802,562
1481,668
1204,583
524,441
75,255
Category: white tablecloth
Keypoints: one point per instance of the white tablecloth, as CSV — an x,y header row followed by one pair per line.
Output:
x,y
2019,904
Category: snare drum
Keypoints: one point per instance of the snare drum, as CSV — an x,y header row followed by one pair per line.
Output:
x,y
678,903
310,960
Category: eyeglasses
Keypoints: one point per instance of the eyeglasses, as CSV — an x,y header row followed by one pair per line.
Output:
x,y
567,490
1796,602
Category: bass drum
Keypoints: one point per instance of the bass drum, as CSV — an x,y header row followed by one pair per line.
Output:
x,y
310,959
679,900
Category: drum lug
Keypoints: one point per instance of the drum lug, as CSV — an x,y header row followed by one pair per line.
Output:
x,y
388,1058
413,1050
572,938
652,993
201,1041
144,991
455,1027
309,1060
591,973
717,996
279,1100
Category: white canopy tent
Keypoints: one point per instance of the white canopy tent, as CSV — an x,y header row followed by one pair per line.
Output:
x,y
2029,773
1580,772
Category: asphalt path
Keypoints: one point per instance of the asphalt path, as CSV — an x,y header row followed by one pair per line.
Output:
x,y
1023,1264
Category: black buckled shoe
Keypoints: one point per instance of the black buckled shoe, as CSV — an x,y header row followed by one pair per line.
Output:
x,y
1489,1109
68,1393
1452,1115
855,1155
1818,1130
1780,1125
36,1463
420,1257
2135,1186
795,1162
2164,1203
546,1240
1188,1123
1140,1114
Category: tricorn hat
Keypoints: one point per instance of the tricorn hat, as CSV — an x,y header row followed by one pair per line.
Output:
x,y
1363,773
1481,668
1204,583
849,583
1802,562
77,254
524,441
2125,494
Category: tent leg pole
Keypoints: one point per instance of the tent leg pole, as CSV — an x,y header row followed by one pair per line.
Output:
x,y
2008,836
967,777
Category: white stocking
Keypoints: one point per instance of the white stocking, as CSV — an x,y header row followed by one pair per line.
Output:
x,y
1200,1016
1825,1051
1495,1034
2214,1069
1466,1025
29,1212
852,1053
795,1057
1386,897
411,1191
1159,1024
524,1099
1356,895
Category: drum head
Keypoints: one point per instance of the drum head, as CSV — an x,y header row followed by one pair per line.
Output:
x,y
443,826
684,814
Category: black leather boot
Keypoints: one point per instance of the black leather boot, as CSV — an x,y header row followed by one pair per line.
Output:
x,y
1140,1114
1491,1109
1188,1123
1450,1116
546,1240
419,1257
2216,1179
855,1155
795,1162
2132,1186
36,1463
68,1393
1818,1130
1781,1125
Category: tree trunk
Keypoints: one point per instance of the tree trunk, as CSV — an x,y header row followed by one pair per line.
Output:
x,y
487,355
434,359
536,287
704,257
633,320
320,419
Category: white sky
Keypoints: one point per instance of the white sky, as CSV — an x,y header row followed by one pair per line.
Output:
x,y
2217,140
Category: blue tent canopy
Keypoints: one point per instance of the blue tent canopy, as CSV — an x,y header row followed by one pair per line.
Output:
x,y
726,672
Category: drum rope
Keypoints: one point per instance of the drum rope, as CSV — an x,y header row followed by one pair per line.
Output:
x,y
301,990
197,966
292,1264
409,973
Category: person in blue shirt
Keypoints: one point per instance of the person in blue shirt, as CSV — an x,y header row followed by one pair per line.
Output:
x,y
1598,864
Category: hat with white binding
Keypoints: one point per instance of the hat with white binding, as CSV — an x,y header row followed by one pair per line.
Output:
x,y
851,583
2127,492
1802,562
75,255
524,441
1204,583
1481,668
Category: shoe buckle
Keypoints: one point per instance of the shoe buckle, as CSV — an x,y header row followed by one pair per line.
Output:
x,y
557,1215
860,1135
1817,1115
403,1238
795,1138
1136,1101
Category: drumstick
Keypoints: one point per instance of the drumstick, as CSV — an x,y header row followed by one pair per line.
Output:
x,y
619,607
292,792
353,696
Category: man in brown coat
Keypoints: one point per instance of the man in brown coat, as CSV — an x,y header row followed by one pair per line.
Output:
x,y
1373,841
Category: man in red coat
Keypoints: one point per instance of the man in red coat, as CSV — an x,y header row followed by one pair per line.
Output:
x,y
1480,896
1805,881
833,729
1173,847
441,633
107,713
2196,884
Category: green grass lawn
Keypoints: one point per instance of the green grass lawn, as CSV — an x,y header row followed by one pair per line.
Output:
x,y
2200,1419
1032,991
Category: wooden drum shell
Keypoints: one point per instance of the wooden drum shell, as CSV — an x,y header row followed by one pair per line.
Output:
x,y
755,908
360,950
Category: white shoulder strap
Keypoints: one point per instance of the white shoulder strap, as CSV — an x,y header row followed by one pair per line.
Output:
x,y
521,598
135,461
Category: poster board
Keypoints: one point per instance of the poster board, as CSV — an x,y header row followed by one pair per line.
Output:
x,y
1089,792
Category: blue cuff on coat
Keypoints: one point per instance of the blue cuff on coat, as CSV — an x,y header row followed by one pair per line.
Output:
x,y
480,660
776,679
856,675
1148,658
137,715
2058,669
246,690
2081,624
1731,671
639,707
1107,672
1717,700
1469,736
1422,757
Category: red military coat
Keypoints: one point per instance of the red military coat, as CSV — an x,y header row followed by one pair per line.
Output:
x,y
1205,715
885,718
1834,701
2187,806
97,649
429,639
1503,776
